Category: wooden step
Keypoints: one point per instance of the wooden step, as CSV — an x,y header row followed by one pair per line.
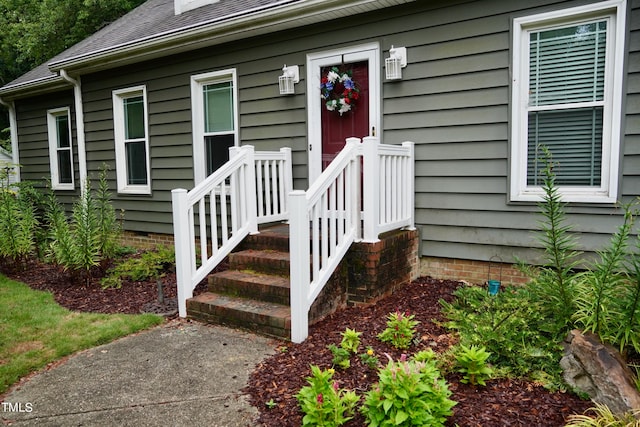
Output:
x,y
262,261
250,284
256,316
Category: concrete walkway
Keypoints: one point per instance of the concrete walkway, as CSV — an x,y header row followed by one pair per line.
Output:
x,y
177,374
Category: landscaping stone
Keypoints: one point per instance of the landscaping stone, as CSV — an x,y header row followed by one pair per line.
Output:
x,y
598,370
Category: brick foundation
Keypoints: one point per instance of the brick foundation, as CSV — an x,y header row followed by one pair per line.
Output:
x,y
145,240
376,269
471,271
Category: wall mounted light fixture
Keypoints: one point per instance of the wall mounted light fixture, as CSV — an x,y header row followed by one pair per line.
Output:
x,y
396,61
286,81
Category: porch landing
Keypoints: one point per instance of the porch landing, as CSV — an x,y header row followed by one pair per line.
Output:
x,y
253,293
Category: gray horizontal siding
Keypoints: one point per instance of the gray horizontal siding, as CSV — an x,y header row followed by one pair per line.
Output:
x,y
33,139
453,101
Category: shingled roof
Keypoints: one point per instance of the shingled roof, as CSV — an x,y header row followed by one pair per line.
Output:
x,y
153,29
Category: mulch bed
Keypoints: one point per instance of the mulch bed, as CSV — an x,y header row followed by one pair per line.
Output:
x,y
503,402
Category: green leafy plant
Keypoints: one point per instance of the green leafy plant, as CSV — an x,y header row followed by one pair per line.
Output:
x,y
554,283
369,358
425,356
350,340
408,393
149,265
400,330
87,238
508,325
603,417
341,357
270,404
323,402
18,221
472,363
598,286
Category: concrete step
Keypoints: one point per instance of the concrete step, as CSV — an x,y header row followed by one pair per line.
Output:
x,y
262,261
257,316
250,284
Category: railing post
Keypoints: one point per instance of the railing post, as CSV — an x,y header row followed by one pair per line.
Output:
x,y
410,146
249,193
287,174
299,265
182,241
371,196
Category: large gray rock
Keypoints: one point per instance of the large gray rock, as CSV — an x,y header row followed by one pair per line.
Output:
x,y
597,369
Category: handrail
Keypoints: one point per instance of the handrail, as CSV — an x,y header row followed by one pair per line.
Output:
x,y
216,215
325,220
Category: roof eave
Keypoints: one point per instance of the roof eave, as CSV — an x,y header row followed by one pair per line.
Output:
x,y
34,87
282,17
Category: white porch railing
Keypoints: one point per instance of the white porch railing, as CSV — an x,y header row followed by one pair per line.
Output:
x,y
215,216
365,191
325,220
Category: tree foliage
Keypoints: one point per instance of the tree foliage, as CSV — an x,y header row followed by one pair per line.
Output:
x,y
34,31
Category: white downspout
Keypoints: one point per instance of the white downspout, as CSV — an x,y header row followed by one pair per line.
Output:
x,y
82,153
13,131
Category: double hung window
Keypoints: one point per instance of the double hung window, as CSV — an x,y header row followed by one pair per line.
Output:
x,y
566,101
60,149
131,139
214,109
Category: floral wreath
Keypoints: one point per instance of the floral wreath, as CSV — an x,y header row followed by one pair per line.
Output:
x,y
338,90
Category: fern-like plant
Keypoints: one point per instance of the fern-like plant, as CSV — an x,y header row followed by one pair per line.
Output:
x,y
625,327
18,222
554,282
599,286
87,238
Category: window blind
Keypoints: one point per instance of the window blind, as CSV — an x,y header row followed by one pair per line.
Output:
x,y
566,71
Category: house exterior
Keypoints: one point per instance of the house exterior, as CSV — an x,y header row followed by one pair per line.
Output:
x,y
160,95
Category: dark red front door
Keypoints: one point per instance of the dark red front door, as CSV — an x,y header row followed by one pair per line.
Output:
x,y
337,128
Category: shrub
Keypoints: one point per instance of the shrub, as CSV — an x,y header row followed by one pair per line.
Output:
x,y
508,326
149,265
323,402
408,393
400,330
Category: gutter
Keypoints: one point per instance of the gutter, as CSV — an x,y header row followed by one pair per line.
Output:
x,y
285,14
82,152
13,131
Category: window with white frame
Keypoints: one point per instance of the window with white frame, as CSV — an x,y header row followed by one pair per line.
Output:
x,y
60,149
131,140
214,110
566,98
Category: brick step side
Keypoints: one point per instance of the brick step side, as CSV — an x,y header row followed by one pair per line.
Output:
x,y
262,261
256,316
247,284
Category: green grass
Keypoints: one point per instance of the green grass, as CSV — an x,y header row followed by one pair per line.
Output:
x,y
35,330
